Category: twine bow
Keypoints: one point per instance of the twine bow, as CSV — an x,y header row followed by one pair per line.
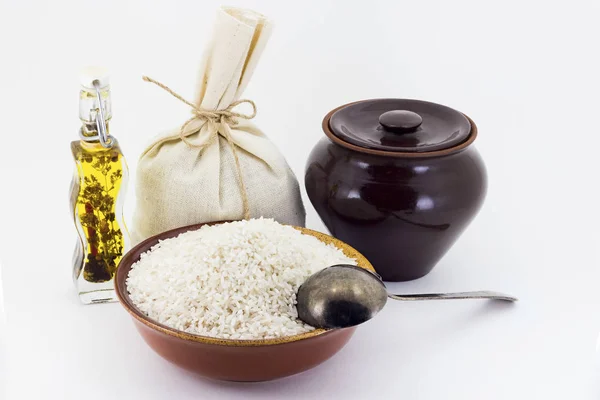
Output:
x,y
222,120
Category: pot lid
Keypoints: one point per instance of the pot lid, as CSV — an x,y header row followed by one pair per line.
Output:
x,y
400,125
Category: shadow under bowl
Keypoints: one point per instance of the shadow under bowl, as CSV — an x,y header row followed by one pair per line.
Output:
x,y
230,359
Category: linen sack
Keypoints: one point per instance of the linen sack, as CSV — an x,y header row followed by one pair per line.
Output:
x,y
218,165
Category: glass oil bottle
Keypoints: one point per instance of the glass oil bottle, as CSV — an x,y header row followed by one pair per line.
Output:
x,y
97,193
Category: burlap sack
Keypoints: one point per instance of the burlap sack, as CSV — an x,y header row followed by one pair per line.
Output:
x,y
218,165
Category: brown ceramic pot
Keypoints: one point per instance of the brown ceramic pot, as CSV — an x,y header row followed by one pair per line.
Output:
x,y
227,359
399,180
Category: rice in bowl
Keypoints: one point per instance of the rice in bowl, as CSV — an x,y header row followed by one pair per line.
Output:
x,y
235,280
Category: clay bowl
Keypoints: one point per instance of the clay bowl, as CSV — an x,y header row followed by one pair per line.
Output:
x,y
234,360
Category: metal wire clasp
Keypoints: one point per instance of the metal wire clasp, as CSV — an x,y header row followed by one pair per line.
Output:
x,y
105,139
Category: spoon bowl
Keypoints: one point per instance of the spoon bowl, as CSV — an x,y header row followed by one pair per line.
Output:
x,y
340,296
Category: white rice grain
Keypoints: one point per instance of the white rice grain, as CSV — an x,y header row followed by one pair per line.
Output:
x,y
236,280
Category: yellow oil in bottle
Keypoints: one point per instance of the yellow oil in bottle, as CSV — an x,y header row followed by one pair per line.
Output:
x,y
97,195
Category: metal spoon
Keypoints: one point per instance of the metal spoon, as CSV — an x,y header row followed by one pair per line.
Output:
x,y
341,296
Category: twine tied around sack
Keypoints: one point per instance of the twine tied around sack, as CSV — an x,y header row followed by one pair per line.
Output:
x,y
223,121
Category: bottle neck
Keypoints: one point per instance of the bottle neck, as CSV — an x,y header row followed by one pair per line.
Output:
x,y
89,107
90,129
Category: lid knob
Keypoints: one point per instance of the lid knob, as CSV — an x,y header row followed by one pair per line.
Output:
x,y
400,121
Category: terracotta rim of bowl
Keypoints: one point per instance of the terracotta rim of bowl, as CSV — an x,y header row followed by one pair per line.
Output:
x,y
127,303
437,153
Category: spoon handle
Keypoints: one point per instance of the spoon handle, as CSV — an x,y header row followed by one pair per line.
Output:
x,y
484,294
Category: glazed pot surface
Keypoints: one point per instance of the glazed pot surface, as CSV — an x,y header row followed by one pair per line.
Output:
x,y
403,214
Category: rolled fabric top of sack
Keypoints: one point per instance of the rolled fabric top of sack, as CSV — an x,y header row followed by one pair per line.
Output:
x,y
217,165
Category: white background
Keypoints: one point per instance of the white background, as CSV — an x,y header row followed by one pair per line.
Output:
x,y
3,353
526,71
